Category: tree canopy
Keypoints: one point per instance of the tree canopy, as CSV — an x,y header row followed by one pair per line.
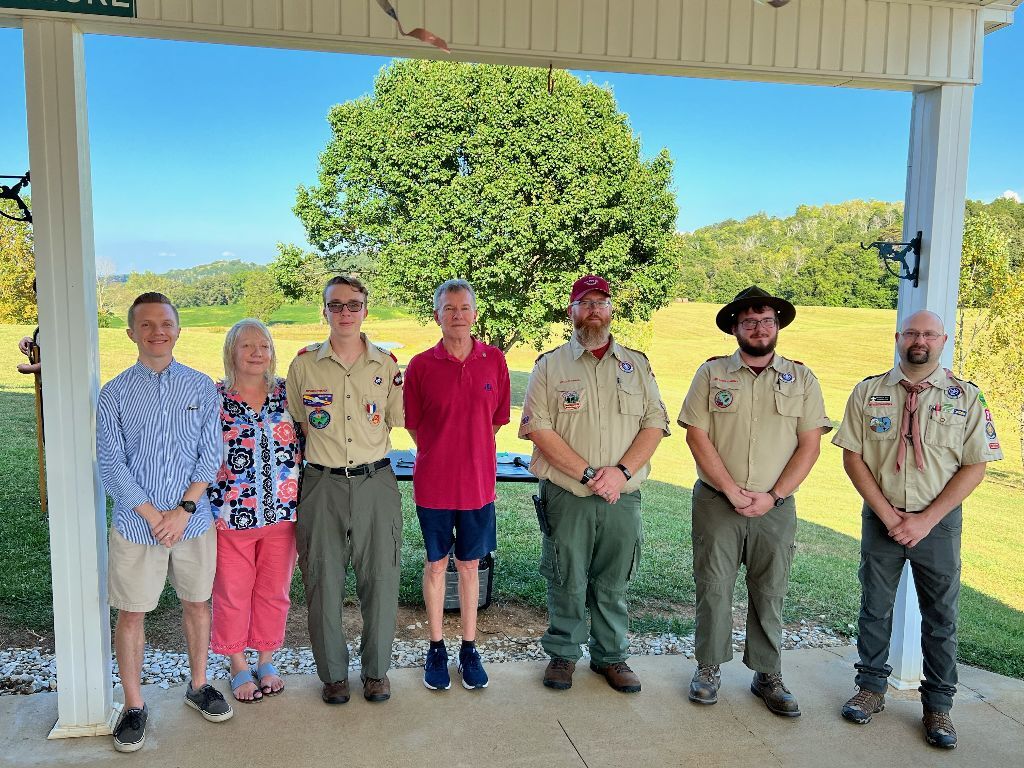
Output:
x,y
17,268
477,171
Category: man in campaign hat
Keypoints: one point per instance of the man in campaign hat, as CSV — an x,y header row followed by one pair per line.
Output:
x,y
754,421
595,416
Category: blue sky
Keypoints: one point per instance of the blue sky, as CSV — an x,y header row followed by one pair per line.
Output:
x,y
197,149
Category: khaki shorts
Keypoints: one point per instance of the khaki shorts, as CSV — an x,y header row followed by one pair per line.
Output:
x,y
136,573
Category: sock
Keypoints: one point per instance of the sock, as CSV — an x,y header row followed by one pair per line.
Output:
x,y
437,644
467,644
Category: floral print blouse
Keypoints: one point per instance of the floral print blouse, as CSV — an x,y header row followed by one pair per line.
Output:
x,y
258,483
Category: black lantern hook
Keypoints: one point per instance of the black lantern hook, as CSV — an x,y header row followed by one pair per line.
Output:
x,y
14,193
897,253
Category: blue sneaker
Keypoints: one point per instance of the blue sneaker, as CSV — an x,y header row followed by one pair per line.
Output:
x,y
472,669
435,670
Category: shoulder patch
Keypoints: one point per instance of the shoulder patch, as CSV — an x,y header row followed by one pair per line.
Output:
x,y
873,376
393,356
716,357
308,348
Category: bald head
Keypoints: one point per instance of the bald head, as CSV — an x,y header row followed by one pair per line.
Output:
x,y
920,341
924,320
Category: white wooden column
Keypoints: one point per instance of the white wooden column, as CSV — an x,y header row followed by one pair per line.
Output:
x,y
940,137
66,280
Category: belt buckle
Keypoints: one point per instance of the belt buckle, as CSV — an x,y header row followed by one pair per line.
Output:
x,y
348,473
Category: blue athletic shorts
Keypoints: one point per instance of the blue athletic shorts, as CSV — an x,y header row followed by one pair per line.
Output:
x,y
474,532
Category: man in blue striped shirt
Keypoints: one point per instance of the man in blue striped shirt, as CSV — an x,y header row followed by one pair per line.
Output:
x,y
159,445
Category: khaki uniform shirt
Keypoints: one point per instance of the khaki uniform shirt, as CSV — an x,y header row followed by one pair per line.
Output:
x,y
597,406
753,421
956,430
347,413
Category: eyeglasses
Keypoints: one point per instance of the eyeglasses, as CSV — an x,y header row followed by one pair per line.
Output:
x,y
351,306
751,324
590,304
915,335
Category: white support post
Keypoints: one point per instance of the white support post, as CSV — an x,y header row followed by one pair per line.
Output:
x,y
940,137
66,284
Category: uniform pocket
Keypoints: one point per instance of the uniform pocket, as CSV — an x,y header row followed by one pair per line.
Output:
x,y
634,567
789,403
882,424
549,561
631,399
945,429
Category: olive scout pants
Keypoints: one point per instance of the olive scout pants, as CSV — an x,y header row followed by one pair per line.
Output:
x,y
935,563
588,560
358,519
722,541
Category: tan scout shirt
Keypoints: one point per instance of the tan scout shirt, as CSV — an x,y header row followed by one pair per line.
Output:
x,y
753,421
597,406
956,430
346,413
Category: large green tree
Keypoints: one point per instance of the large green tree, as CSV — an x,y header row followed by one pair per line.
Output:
x,y
17,268
477,171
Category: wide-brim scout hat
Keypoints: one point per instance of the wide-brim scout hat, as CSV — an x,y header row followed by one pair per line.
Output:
x,y
753,297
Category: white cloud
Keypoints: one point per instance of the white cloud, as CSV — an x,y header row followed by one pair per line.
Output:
x,y
231,254
1011,195
166,255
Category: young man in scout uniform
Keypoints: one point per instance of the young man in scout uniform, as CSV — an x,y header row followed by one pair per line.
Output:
x,y
595,416
912,510
347,395
457,396
158,444
753,422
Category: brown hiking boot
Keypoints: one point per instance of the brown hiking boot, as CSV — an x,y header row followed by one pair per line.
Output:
x,y
376,688
335,693
939,730
769,687
707,679
619,676
863,705
558,674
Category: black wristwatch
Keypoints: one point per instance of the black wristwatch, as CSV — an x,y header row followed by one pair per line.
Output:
x,y
188,506
588,474
624,471
779,500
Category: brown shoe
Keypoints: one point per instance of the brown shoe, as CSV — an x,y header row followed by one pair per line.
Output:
x,y
619,676
335,693
376,688
776,696
939,730
558,674
862,705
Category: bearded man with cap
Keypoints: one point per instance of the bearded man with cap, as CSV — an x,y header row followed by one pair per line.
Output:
x,y
595,416
754,422
912,510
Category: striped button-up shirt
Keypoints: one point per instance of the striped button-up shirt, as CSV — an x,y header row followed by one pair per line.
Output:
x,y
157,433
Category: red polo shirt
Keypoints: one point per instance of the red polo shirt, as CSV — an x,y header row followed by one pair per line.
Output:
x,y
454,406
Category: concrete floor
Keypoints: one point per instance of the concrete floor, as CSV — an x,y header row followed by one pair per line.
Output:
x,y
518,722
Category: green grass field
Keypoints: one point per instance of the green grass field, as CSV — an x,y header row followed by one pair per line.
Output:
x,y
842,346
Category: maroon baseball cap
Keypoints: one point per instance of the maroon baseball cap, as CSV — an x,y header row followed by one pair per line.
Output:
x,y
589,283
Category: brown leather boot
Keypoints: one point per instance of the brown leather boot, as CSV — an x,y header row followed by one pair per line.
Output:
x,y
376,688
939,730
558,674
707,679
335,693
769,687
619,676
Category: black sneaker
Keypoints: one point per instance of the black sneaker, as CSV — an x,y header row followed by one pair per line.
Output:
x,y
130,731
210,702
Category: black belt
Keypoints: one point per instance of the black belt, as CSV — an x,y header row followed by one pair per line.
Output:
x,y
362,469
714,490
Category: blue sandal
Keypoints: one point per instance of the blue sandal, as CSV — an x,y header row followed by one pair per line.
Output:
x,y
240,679
268,669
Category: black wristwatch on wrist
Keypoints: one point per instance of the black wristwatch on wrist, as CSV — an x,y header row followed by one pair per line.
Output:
x,y
188,506
779,500
624,471
588,474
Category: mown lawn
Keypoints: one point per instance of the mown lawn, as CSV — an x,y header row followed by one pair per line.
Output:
x,y
842,346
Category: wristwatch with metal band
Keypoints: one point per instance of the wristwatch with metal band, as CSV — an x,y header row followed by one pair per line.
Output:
x,y
588,474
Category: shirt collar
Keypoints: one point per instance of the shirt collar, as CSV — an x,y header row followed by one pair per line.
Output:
x,y
441,353
578,349
372,352
145,372
936,378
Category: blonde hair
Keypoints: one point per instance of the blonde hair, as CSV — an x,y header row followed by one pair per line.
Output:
x,y
231,339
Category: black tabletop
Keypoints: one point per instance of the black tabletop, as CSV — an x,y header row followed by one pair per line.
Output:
x,y
512,467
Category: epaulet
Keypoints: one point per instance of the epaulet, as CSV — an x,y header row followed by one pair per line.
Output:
x,y
308,348
950,375
873,376
716,357
798,362
387,352
542,354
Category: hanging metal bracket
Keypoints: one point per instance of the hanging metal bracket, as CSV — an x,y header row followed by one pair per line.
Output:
x,y
14,193
897,253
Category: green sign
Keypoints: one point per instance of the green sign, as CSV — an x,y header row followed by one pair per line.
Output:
x,y
96,7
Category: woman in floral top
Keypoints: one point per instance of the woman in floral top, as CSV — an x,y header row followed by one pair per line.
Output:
x,y
254,500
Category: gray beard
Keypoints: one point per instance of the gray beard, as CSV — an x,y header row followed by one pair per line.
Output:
x,y
590,337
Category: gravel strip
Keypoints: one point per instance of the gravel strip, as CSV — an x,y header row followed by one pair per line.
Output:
x,y
30,670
